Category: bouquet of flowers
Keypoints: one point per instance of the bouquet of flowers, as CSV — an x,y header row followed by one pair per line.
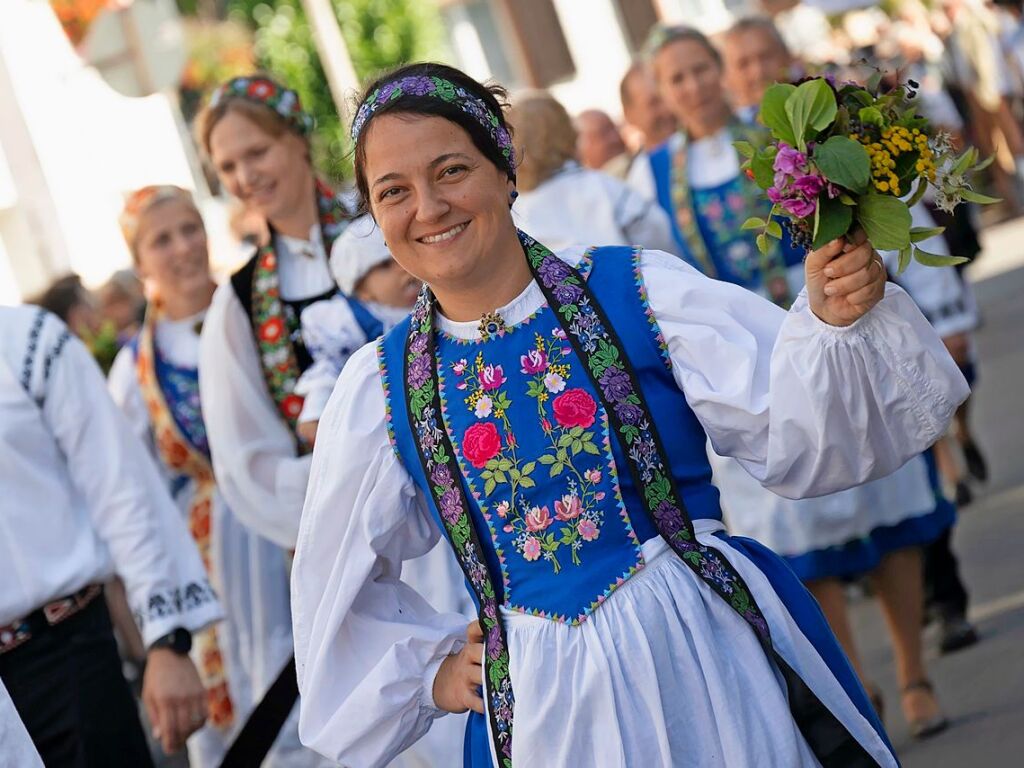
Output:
x,y
848,156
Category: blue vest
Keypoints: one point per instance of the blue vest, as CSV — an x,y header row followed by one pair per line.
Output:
x,y
557,511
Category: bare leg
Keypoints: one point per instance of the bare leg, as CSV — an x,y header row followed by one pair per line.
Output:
x,y
898,582
949,467
832,599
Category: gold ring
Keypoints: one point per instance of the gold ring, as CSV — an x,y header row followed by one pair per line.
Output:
x,y
880,264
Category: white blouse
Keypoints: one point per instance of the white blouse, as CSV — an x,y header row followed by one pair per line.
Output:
x,y
578,202
82,499
806,407
254,458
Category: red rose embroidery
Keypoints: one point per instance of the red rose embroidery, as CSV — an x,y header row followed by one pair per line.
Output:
x,y
261,89
574,408
271,330
291,406
269,261
481,443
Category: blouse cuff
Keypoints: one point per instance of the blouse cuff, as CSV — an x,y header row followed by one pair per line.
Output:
x,y
192,607
803,306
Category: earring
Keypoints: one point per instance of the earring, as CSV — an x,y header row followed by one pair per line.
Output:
x,y
512,196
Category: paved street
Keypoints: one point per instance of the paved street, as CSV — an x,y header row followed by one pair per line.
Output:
x,y
982,688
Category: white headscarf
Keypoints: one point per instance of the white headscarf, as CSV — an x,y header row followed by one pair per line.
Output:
x,y
359,249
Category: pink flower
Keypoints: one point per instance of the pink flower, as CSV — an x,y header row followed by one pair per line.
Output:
x,y
775,195
502,509
481,443
789,160
569,507
599,495
508,529
575,408
587,529
492,377
593,475
799,207
546,425
534,361
538,518
554,383
460,367
558,333
809,186
461,385
531,549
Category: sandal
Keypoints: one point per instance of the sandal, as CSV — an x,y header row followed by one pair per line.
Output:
x,y
929,725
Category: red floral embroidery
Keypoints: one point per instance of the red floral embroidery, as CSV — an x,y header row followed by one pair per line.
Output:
x,y
291,406
271,330
481,443
261,89
574,408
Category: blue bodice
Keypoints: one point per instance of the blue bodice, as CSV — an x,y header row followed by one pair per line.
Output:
x,y
556,509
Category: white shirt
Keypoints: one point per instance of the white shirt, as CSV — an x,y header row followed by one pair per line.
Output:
x,y
807,408
578,202
254,458
82,499
15,744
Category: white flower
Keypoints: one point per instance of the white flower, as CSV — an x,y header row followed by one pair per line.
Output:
x,y
554,383
483,407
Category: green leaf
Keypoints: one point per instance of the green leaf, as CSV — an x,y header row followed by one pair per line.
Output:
x,y
774,229
905,255
491,464
763,166
505,464
556,468
576,431
845,162
811,108
546,459
845,199
773,112
920,234
762,244
966,160
980,199
871,116
874,81
745,148
591,448
515,474
577,446
834,221
935,260
983,164
753,223
529,466
489,486
526,482
922,187
564,440
886,220
500,477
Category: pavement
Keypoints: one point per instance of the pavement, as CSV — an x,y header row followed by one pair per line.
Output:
x,y
982,687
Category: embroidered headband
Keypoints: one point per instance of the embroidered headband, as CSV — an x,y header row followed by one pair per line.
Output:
x,y
445,90
141,200
263,90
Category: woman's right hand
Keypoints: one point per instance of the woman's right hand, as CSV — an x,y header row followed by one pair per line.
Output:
x,y
458,679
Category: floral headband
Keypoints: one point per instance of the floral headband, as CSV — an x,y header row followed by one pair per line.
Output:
x,y
141,200
263,90
445,90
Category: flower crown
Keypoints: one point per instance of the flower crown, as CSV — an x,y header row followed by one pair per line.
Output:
x,y
263,90
141,200
445,90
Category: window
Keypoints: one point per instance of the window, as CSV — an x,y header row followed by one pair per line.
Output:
x,y
537,31
637,17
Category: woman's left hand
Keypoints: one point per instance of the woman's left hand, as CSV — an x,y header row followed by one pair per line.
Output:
x,y
844,280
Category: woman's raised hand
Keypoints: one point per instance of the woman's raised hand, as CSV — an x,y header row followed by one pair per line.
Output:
x,y
844,280
458,679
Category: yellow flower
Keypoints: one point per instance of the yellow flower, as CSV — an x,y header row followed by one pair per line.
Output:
x,y
883,186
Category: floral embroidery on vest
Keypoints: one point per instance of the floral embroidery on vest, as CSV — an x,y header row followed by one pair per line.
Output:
x,y
566,417
274,322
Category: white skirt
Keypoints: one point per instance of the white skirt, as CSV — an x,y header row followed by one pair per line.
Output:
x,y
665,673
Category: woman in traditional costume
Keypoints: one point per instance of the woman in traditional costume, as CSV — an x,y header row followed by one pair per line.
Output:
x,y
695,175
155,381
257,138
559,199
548,415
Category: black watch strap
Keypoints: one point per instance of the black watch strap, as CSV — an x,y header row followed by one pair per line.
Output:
x,y
178,640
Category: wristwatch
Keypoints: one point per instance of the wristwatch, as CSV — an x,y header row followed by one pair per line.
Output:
x,y
178,640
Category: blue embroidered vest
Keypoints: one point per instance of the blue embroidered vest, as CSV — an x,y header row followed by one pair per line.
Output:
x,y
561,525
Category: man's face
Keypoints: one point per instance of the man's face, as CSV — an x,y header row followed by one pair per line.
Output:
x,y
754,59
645,110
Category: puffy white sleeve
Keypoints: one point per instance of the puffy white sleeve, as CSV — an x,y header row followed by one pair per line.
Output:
x,y
254,456
806,408
331,333
131,510
367,646
123,385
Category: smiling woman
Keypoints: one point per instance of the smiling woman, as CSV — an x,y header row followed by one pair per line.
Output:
x,y
548,416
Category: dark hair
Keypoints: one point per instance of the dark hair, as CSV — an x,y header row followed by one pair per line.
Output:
x,y
62,295
494,96
662,37
757,24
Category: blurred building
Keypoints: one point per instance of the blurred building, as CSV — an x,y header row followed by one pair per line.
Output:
x,y
70,149
579,49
